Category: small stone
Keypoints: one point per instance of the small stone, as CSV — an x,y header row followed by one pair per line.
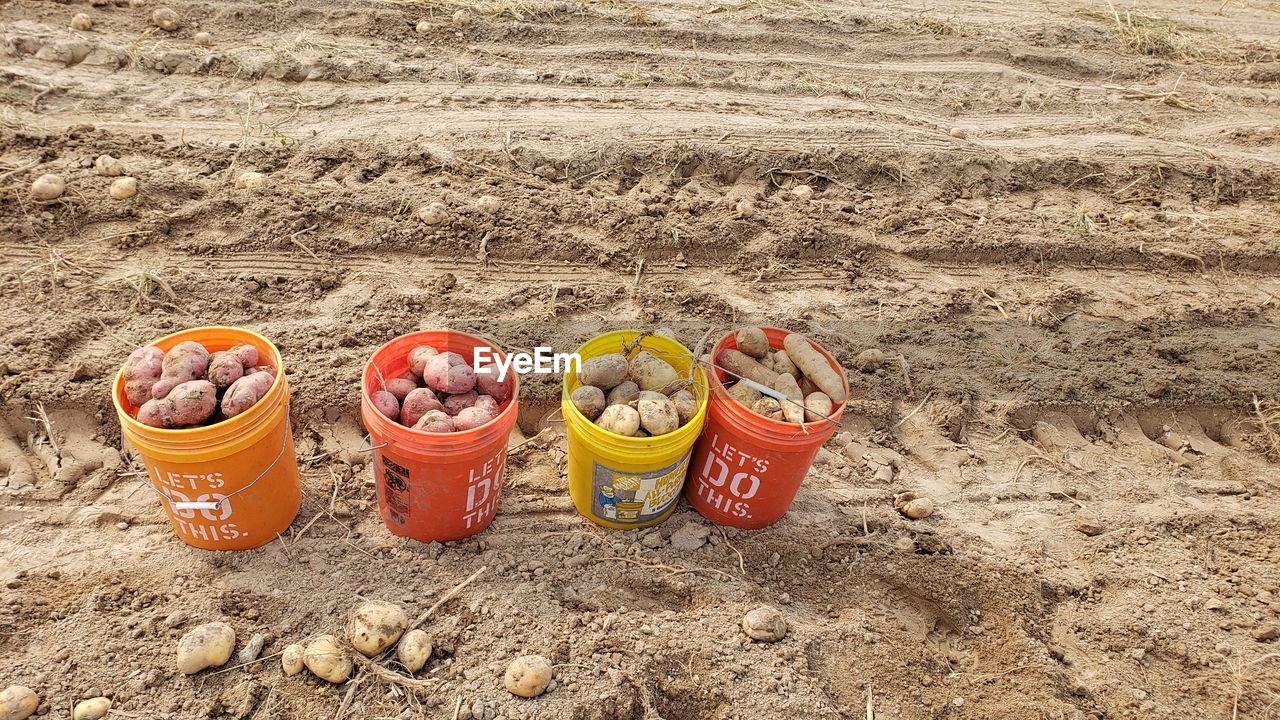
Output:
x,y
690,537
203,39
958,132
122,525
166,19
803,193
252,649
765,624
80,21
1088,525
1265,633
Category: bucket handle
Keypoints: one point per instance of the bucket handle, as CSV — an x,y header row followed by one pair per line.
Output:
x,y
366,446
215,504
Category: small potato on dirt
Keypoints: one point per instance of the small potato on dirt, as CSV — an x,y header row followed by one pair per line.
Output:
x,y
803,193
375,626
625,392
686,406
620,420
401,387
454,404
327,660
658,415
652,372
487,383
123,188
251,180
18,702
91,709
471,418
589,400
108,166
488,204
744,394
205,646
528,676
414,650
141,371
914,505
417,403
291,659
433,214
752,341
203,39
48,187
817,406
604,371
82,22
769,408
166,19
435,421
386,403
419,356
449,373
423,27
462,18
190,403
869,360
744,209
765,624
246,392
187,361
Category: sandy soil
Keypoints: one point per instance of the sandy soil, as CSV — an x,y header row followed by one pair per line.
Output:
x,y
1059,221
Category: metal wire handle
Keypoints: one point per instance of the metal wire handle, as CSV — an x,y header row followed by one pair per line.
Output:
x,y
215,504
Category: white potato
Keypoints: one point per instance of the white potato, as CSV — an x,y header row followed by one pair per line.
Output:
x,y
291,659
48,187
123,188
528,676
92,709
414,650
375,626
205,646
18,702
327,660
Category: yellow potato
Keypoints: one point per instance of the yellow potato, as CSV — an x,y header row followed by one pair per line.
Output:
x,y
603,371
620,420
658,415
108,166
376,626
414,650
625,392
753,342
48,187
291,660
123,188
18,702
686,406
652,372
589,400
206,646
327,660
744,394
94,709
528,676
251,181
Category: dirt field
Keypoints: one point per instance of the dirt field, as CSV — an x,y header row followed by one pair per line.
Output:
x,y
1058,220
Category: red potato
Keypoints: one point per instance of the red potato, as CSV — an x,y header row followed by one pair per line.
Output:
x,y
400,387
488,384
141,371
417,403
225,368
449,373
472,417
246,392
419,356
189,403
455,404
415,378
435,421
246,354
488,403
185,362
386,404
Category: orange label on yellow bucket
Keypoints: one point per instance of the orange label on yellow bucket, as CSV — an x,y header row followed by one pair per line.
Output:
x,y
635,498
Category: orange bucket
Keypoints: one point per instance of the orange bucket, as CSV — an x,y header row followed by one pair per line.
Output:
x,y
435,487
747,468
232,485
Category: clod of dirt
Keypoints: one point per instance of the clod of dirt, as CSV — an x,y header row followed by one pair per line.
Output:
x,y
92,709
123,188
423,27
108,166
462,18
166,19
869,360
1265,633
765,624
18,702
744,209
327,660
913,505
959,132
414,650
80,21
203,39
251,180
208,645
690,537
1129,218
528,676
251,649
433,214
291,660
1088,525
376,626
48,187
804,193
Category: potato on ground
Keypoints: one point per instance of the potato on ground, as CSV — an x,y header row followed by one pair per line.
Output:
x,y
246,392
186,361
48,187
528,676
291,659
752,341
189,404
91,709
449,373
326,659
651,372
205,646
386,403
417,403
141,371
414,650
375,626
604,371
815,367
18,702
589,400
620,420
658,415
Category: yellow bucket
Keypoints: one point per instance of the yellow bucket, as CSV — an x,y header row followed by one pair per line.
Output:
x,y
622,482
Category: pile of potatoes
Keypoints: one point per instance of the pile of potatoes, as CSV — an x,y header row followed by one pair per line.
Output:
x,y
643,397
796,370
442,393
189,386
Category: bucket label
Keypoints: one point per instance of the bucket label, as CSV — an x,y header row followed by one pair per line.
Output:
x,y
208,525
635,498
395,489
729,478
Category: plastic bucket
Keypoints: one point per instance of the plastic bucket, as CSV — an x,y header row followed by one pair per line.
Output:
x,y
232,485
621,482
746,467
435,487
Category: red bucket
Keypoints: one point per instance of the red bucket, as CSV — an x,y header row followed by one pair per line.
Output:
x,y
746,468
435,486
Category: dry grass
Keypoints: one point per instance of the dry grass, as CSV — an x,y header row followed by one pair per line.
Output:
x,y
1149,35
1268,435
